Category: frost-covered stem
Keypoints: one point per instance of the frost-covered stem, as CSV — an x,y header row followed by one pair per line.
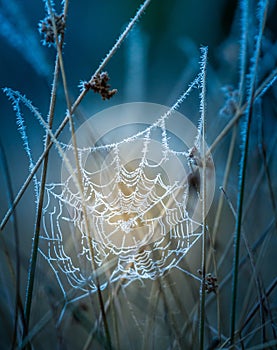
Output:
x,y
202,133
262,7
32,268
243,47
79,174
22,130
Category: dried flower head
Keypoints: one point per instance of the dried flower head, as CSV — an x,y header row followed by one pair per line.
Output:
x,y
210,282
46,28
100,85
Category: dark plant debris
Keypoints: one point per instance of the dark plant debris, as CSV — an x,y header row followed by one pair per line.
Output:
x,y
46,28
210,282
99,84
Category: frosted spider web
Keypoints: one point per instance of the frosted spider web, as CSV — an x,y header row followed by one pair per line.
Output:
x,y
131,213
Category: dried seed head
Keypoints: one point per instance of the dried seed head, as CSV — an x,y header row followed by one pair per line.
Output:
x,y
46,28
210,282
100,85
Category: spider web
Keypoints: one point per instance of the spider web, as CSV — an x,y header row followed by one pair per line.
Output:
x,y
135,216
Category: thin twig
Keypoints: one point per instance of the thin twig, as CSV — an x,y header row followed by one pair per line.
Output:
x,y
203,195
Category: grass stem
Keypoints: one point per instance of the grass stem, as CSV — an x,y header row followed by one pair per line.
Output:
x,y
243,164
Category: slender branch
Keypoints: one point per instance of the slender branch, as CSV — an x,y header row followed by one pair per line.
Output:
x,y
203,195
